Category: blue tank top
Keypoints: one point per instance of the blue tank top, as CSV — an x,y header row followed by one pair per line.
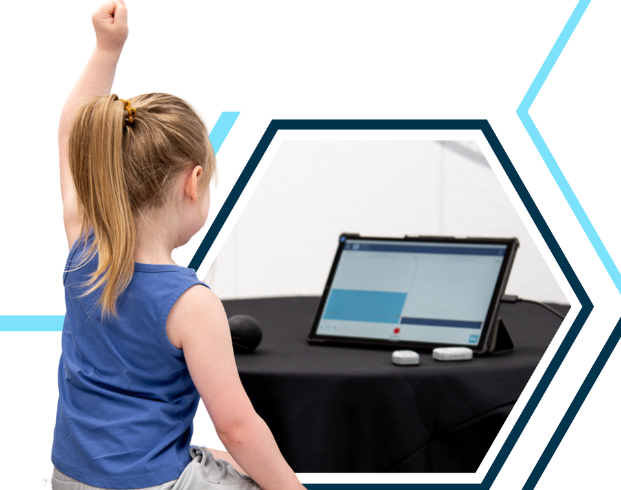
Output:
x,y
126,400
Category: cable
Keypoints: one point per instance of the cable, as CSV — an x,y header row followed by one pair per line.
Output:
x,y
511,298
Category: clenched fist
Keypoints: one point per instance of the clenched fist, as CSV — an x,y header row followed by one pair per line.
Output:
x,y
110,22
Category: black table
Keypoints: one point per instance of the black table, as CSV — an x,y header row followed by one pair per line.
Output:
x,y
343,409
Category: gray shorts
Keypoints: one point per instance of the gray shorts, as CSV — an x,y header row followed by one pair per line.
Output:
x,y
203,473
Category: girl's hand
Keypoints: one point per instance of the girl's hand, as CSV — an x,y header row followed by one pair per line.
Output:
x,y
110,22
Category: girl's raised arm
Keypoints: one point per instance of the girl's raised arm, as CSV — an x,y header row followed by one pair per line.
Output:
x,y
110,23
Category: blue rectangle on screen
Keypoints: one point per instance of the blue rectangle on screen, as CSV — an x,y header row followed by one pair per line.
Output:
x,y
434,322
364,306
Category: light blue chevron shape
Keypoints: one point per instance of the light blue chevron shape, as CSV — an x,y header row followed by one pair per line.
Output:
x,y
545,152
588,229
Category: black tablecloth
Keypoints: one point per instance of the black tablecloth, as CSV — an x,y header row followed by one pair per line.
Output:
x,y
345,409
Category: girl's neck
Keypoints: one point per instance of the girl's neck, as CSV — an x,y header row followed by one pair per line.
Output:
x,y
154,240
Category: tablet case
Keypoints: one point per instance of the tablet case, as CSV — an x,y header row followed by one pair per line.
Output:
x,y
497,340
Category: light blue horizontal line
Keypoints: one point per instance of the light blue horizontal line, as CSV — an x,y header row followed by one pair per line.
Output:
x,y
31,323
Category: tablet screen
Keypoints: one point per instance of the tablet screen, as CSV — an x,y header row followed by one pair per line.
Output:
x,y
421,292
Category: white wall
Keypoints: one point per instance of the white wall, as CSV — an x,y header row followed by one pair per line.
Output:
x,y
285,240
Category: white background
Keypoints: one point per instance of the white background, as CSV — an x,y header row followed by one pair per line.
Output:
x,y
410,60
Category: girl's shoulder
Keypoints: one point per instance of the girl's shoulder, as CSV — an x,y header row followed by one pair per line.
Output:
x,y
193,309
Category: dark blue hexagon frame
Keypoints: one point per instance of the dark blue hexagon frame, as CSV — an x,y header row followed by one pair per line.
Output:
x,y
585,302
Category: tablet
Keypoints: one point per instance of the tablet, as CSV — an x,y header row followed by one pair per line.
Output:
x,y
421,292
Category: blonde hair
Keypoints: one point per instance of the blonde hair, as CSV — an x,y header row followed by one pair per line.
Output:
x,y
121,168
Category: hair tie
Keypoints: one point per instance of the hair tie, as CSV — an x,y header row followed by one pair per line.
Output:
x,y
131,111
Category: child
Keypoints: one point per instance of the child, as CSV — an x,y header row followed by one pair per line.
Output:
x,y
143,337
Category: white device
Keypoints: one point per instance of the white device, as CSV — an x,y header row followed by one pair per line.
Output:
x,y
405,358
452,354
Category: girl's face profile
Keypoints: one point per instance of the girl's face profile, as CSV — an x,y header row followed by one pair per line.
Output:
x,y
204,209
192,206
195,218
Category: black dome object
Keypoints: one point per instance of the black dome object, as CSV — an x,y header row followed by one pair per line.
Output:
x,y
246,333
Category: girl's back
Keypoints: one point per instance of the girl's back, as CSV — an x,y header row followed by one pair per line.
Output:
x,y
123,386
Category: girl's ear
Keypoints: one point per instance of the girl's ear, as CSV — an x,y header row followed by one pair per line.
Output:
x,y
191,186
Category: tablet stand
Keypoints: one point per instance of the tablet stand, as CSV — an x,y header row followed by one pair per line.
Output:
x,y
499,338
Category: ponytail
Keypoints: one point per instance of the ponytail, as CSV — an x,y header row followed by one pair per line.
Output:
x,y
96,162
125,157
